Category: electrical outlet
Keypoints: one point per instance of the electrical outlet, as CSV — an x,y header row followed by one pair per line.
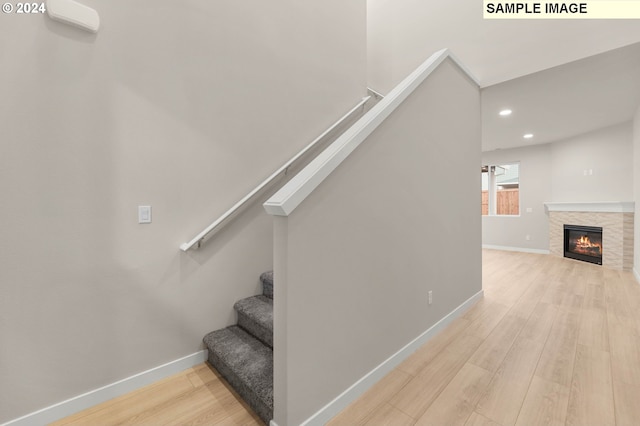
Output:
x,y
528,237
430,297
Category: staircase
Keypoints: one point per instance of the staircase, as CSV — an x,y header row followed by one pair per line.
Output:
x,y
243,353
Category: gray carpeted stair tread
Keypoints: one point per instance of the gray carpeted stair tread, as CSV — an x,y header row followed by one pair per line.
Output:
x,y
246,364
255,315
267,283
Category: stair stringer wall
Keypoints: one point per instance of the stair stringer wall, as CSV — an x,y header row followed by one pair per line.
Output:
x,y
355,260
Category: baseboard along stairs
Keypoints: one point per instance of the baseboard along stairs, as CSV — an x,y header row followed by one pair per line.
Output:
x,y
243,353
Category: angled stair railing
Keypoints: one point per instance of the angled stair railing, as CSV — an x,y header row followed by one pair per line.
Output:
x,y
218,223
283,202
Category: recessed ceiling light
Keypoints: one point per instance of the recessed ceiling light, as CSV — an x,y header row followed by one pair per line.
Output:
x,y
528,136
505,112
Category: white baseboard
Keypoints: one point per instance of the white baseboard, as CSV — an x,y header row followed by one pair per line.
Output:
x,y
82,402
636,275
521,249
361,386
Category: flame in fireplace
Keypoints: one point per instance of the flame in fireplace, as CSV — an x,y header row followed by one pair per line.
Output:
x,y
584,245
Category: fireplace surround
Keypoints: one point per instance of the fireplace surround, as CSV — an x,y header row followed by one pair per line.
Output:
x,y
615,218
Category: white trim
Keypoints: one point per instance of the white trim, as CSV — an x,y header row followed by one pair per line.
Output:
x,y
520,249
283,202
636,275
598,206
272,423
330,410
87,400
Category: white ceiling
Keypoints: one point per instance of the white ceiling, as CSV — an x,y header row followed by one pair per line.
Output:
x,y
509,59
563,101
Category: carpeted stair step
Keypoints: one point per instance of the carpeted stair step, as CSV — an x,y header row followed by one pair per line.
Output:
x,y
255,315
267,283
247,364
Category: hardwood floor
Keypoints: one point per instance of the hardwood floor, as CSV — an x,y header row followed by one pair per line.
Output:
x,y
553,342
197,396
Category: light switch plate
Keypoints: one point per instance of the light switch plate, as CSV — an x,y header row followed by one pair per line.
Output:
x,y
144,214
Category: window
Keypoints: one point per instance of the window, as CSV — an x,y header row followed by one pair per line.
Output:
x,y
501,189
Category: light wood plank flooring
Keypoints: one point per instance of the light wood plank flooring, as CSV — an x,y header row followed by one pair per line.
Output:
x,y
553,342
197,396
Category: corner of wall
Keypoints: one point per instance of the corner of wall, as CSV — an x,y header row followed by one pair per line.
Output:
x,y
636,192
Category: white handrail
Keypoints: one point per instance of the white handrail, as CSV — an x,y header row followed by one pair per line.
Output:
x,y
201,236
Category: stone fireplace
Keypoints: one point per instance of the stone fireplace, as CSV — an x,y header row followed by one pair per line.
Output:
x,y
615,220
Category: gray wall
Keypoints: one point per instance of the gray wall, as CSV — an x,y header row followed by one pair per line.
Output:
x,y
184,107
555,172
636,192
356,259
605,154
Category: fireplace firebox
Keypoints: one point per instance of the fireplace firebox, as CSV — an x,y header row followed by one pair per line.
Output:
x,y
583,243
